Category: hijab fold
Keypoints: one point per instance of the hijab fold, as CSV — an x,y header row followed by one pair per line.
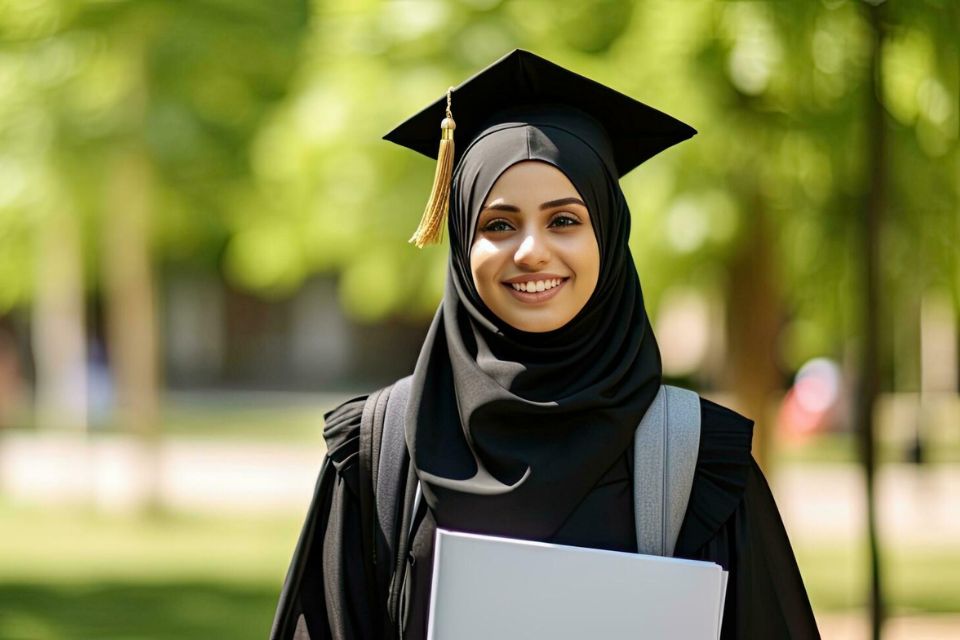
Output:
x,y
509,430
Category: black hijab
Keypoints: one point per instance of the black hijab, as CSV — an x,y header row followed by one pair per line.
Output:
x,y
509,430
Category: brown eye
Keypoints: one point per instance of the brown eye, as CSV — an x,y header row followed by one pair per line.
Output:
x,y
496,225
567,221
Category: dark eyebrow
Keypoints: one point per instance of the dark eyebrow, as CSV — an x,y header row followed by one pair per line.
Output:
x,y
503,207
500,206
561,202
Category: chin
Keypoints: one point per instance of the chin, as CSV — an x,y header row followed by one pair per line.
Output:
x,y
536,327
504,308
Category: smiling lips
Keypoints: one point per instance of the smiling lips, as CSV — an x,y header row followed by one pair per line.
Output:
x,y
535,290
536,285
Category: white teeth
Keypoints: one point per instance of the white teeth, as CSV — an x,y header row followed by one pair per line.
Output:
x,y
539,285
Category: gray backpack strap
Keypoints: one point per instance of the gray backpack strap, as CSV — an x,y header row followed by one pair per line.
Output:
x,y
665,446
391,464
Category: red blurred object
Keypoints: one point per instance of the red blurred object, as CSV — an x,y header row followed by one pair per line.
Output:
x,y
809,406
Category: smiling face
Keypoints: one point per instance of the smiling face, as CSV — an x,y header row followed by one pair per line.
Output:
x,y
534,258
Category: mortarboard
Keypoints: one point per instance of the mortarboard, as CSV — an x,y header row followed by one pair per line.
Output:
x,y
520,78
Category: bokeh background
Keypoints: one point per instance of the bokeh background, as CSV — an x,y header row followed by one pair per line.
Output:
x,y
203,247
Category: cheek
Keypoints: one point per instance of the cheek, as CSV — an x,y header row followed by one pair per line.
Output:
x,y
483,263
587,259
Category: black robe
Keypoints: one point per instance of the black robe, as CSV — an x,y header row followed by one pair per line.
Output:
x,y
731,519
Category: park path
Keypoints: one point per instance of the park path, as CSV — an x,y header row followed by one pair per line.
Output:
x,y
818,502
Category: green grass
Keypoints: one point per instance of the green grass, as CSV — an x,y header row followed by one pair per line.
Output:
x,y
73,574
255,423
916,580
151,610
253,416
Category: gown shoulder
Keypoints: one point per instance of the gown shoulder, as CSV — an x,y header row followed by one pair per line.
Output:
x,y
720,477
341,432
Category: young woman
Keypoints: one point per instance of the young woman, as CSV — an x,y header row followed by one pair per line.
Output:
x,y
534,375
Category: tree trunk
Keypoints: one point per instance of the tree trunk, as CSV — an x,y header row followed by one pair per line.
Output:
x,y
754,318
130,309
59,336
869,240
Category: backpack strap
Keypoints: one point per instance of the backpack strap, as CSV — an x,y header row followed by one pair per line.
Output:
x,y
371,433
385,492
665,446
393,460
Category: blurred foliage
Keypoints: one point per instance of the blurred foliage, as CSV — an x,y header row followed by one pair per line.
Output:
x,y
263,124
187,84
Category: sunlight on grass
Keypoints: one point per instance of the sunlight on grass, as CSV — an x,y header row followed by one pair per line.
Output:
x,y
916,580
77,545
75,574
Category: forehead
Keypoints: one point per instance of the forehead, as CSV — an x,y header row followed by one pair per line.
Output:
x,y
531,180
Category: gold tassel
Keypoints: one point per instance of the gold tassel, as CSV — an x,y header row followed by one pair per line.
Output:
x,y
430,230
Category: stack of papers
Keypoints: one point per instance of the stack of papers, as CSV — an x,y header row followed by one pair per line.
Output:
x,y
487,587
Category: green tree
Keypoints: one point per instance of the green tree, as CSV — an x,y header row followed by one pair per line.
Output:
x,y
126,131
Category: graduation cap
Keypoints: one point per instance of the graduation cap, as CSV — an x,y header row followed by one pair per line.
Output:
x,y
520,78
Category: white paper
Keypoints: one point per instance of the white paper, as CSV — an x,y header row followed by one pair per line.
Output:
x,y
486,587
723,598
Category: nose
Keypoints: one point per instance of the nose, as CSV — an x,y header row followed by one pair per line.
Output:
x,y
532,252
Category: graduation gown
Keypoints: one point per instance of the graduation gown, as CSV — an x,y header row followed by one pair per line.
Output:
x,y
731,519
